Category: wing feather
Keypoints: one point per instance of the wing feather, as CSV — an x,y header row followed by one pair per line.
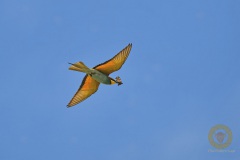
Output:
x,y
116,62
88,87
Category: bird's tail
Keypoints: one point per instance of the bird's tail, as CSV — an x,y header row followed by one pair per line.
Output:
x,y
80,66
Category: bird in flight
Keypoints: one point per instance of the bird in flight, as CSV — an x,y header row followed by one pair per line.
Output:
x,y
98,74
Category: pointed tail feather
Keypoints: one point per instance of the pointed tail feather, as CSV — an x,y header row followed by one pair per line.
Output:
x,y
80,66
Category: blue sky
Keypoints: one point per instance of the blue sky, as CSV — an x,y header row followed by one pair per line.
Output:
x,y
181,79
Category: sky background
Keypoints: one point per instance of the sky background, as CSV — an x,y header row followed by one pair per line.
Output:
x,y
181,78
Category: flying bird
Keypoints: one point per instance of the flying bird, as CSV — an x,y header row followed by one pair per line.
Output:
x,y
98,74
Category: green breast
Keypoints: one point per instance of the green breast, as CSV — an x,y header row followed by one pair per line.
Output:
x,y
100,77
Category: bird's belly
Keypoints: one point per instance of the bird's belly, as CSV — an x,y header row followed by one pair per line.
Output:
x,y
100,77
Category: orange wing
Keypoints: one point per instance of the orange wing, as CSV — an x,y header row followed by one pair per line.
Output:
x,y
88,87
115,63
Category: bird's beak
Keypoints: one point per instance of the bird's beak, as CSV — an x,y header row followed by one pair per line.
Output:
x,y
120,83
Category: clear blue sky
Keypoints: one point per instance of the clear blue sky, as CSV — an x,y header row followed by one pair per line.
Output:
x,y
181,78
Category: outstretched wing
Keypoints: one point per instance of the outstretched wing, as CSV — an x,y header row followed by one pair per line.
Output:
x,y
115,63
88,87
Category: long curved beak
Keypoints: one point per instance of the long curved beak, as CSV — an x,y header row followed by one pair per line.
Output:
x,y
120,83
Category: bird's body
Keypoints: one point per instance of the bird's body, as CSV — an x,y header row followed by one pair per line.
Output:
x,y
98,74
95,74
100,77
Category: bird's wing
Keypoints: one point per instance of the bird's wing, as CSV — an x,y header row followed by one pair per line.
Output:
x,y
114,63
88,87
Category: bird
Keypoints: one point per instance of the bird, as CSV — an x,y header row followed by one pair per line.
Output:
x,y
97,75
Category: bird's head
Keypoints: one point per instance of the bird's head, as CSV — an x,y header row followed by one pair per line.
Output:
x,y
118,80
